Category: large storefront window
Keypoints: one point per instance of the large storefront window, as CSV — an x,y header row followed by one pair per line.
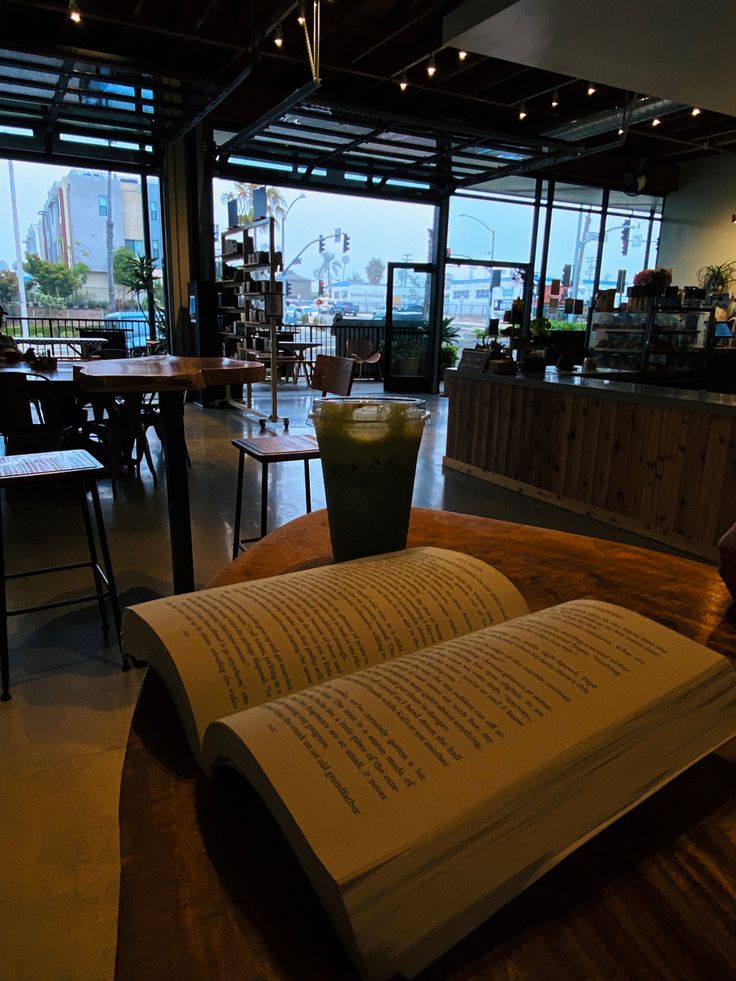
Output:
x,y
336,247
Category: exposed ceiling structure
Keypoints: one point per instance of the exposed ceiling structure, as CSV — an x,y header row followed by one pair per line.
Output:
x,y
130,78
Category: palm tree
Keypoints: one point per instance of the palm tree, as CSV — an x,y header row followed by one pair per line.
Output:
x,y
330,267
374,271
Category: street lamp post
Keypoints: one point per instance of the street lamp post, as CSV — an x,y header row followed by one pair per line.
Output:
x,y
493,253
283,227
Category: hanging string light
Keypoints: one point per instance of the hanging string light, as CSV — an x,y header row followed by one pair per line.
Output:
x,y
591,88
75,14
403,82
555,99
431,66
462,55
522,110
278,37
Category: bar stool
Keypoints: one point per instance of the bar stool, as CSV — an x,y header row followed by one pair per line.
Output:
x,y
331,374
80,468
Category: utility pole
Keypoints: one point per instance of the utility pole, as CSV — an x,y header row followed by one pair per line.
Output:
x,y
18,255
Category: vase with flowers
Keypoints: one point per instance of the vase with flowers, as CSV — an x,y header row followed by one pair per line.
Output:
x,y
650,283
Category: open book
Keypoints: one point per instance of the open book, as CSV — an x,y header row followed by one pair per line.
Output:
x,y
428,746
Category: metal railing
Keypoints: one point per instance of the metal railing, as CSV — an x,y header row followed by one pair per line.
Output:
x,y
134,330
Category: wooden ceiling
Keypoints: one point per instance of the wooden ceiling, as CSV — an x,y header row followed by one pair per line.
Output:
x,y
130,78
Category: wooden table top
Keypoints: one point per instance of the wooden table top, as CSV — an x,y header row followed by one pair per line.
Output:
x,y
63,372
210,889
164,372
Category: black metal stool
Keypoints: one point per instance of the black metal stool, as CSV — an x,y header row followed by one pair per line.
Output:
x,y
79,467
270,449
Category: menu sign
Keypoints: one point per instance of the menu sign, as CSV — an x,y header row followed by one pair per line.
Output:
x,y
473,360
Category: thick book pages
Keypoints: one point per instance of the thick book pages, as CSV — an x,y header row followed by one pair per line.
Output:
x,y
422,793
225,650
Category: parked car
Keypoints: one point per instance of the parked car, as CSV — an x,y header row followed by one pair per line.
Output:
x,y
345,307
293,315
135,325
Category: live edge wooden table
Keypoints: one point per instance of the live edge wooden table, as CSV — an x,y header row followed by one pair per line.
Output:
x,y
170,376
209,890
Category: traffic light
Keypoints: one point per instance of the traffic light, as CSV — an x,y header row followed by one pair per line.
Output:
x,y
566,275
321,290
288,288
625,232
346,242
321,243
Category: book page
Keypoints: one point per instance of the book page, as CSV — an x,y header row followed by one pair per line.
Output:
x,y
368,765
228,649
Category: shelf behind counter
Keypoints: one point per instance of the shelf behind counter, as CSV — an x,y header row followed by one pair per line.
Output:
x,y
660,462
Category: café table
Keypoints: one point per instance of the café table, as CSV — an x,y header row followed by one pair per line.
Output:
x,y
171,377
209,889
82,347
297,350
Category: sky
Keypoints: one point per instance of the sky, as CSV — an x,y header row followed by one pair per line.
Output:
x,y
32,183
388,230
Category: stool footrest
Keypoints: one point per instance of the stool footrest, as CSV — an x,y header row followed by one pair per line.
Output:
x,y
57,568
58,603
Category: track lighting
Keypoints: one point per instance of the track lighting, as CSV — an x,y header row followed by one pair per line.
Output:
x,y
75,14
278,37
522,110
431,67
555,99
404,82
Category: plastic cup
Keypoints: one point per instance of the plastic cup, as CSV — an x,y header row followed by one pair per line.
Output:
x,y
368,448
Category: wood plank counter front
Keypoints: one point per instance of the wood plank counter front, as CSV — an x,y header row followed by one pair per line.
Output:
x,y
660,462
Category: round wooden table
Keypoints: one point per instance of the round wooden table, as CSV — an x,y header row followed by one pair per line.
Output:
x,y
209,889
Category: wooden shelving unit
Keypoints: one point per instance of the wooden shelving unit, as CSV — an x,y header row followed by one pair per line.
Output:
x,y
251,294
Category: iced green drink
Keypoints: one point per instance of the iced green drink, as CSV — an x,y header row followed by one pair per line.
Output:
x,y
368,449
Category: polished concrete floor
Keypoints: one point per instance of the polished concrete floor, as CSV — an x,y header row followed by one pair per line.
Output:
x,y
63,734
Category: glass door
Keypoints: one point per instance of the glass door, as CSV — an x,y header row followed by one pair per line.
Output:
x,y
410,349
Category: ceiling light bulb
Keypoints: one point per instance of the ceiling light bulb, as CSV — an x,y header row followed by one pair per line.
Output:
x,y
555,99
462,55
75,14
404,82
695,112
301,19
522,111
656,122
620,131
431,67
278,37
591,88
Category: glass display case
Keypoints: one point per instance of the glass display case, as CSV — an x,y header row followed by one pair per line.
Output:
x,y
618,340
664,343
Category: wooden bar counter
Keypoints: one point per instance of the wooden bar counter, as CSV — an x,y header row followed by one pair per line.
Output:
x,y
660,462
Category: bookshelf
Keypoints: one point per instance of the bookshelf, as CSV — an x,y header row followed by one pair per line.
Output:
x,y
250,298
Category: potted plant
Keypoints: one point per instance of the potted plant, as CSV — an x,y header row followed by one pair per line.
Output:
x,y
718,277
651,282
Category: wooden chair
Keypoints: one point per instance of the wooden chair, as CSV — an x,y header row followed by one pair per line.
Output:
x,y
33,419
49,470
119,430
331,375
362,352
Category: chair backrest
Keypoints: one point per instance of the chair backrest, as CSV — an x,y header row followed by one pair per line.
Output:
x,y
359,347
116,341
332,374
31,416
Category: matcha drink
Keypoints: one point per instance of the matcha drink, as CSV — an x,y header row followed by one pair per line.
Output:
x,y
369,452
